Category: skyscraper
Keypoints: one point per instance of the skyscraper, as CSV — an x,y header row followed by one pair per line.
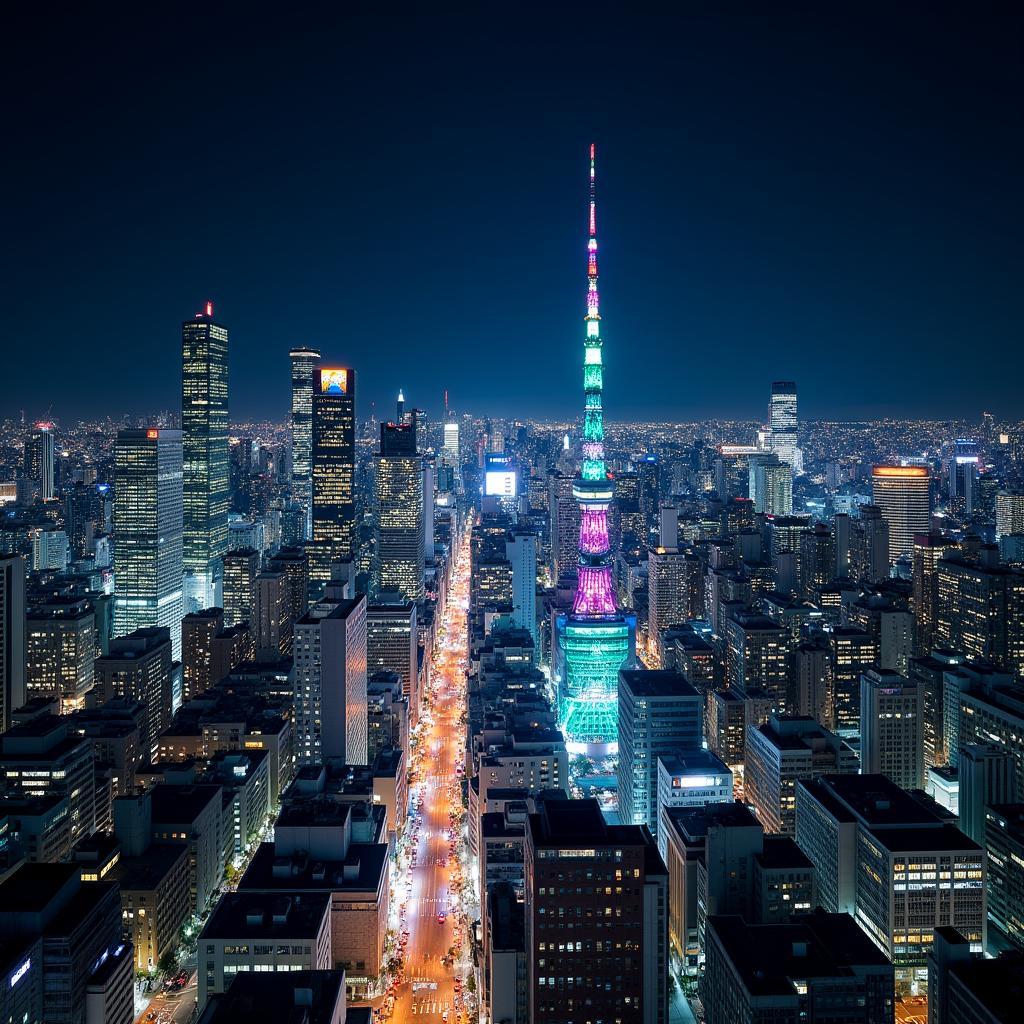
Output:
x,y
205,472
304,364
241,567
782,421
903,493
330,683
399,507
148,532
521,552
595,639
39,459
621,923
892,727
334,455
452,452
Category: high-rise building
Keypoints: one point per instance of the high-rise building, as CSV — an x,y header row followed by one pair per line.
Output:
x,y
868,550
618,909
981,609
1009,513
12,637
963,477
521,553
197,635
48,755
451,453
272,616
782,423
304,363
138,668
892,727
148,532
987,776
853,652
595,640
1004,843
816,967
927,671
391,646
294,563
330,683
334,455
60,648
779,754
659,713
241,567
757,656
893,862
206,484
903,493
39,459
967,988
564,516
675,594
929,548
84,516
399,513
771,485
74,964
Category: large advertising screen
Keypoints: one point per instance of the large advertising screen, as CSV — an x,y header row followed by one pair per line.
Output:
x,y
500,476
334,382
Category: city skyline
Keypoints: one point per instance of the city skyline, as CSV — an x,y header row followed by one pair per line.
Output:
x,y
751,213
443,697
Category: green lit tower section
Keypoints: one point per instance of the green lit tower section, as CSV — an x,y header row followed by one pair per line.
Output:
x,y
595,639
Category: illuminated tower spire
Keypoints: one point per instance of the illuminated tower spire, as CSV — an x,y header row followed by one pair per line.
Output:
x,y
595,639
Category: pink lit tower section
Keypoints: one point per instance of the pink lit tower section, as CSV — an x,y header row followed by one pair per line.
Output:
x,y
595,639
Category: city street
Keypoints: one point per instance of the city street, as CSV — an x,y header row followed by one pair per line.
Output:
x,y
171,1007
434,925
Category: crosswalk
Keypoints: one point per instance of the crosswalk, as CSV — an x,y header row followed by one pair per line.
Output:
x,y
423,1007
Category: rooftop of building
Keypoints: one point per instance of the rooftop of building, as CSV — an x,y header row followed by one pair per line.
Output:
x,y
925,840
257,914
770,958
300,997
330,610
694,762
175,805
112,961
693,822
997,984
658,682
38,727
755,622
496,825
878,801
23,805
367,862
146,872
205,613
30,889
793,732
782,853
313,812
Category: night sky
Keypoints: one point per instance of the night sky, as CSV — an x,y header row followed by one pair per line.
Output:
x,y
832,199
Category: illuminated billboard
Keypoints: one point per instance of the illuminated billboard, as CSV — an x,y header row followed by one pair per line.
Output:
x,y
500,475
333,382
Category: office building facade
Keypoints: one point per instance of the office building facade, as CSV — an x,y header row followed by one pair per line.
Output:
x,y
148,524
205,472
